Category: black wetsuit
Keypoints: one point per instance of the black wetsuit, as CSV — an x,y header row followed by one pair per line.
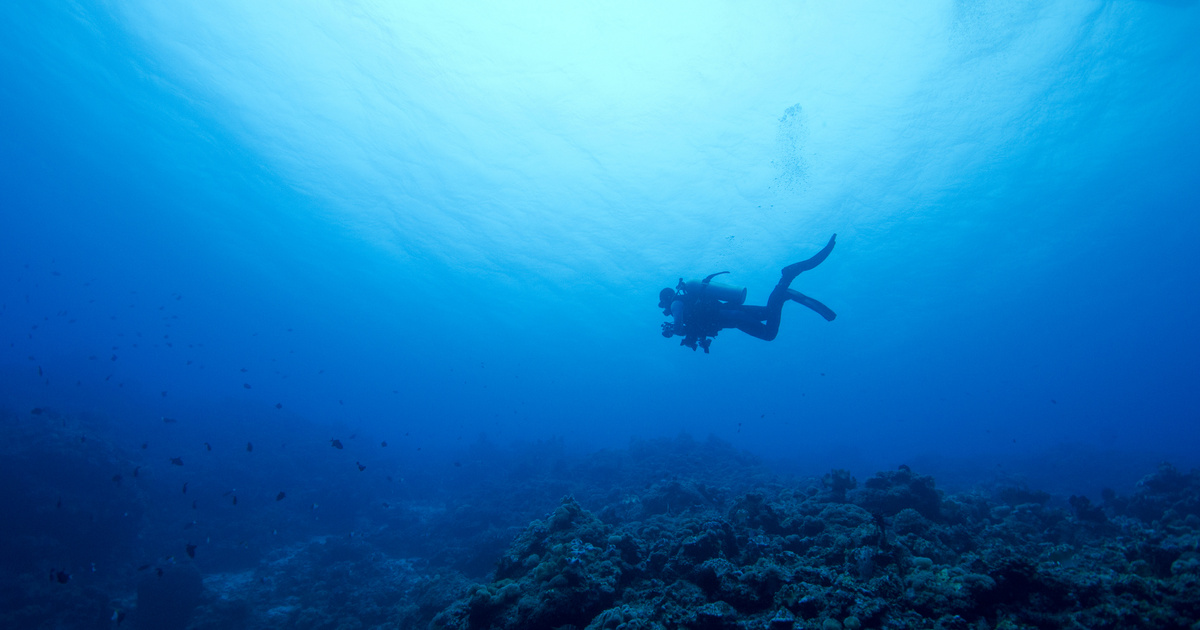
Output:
x,y
699,316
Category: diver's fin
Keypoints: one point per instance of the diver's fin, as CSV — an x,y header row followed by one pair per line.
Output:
x,y
791,271
821,309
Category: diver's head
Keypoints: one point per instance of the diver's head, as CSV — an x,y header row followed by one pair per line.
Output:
x,y
665,297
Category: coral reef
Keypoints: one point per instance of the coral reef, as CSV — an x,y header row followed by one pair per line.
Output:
x,y
665,534
894,553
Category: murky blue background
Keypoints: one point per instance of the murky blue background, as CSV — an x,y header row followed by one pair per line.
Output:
x,y
452,221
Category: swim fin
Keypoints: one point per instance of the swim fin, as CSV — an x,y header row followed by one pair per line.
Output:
x,y
791,271
821,309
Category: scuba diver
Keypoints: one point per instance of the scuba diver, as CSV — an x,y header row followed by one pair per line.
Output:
x,y
702,308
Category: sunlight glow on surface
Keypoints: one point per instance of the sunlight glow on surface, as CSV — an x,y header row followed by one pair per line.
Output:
x,y
527,121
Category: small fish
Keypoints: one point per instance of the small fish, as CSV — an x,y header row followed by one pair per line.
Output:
x,y
228,492
185,487
39,370
244,370
245,385
207,446
235,499
279,405
135,470
59,503
383,443
280,496
191,550
62,577
458,464
249,447
360,467
177,461
118,616
336,444
145,445
190,525
37,411
159,571
193,505
144,567
83,438
167,420
116,478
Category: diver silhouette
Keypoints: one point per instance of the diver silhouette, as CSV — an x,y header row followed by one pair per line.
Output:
x,y
701,308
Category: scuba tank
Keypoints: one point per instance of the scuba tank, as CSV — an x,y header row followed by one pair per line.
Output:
x,y
707,289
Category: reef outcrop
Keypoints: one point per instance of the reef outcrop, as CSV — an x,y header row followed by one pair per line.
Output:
x,y
893,552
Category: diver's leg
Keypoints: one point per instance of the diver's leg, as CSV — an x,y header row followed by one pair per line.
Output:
x,y
759,313
768,325
821,309
791,271
759,329
748,319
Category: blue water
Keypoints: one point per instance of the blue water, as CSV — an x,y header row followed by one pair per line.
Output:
x,y
443,224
